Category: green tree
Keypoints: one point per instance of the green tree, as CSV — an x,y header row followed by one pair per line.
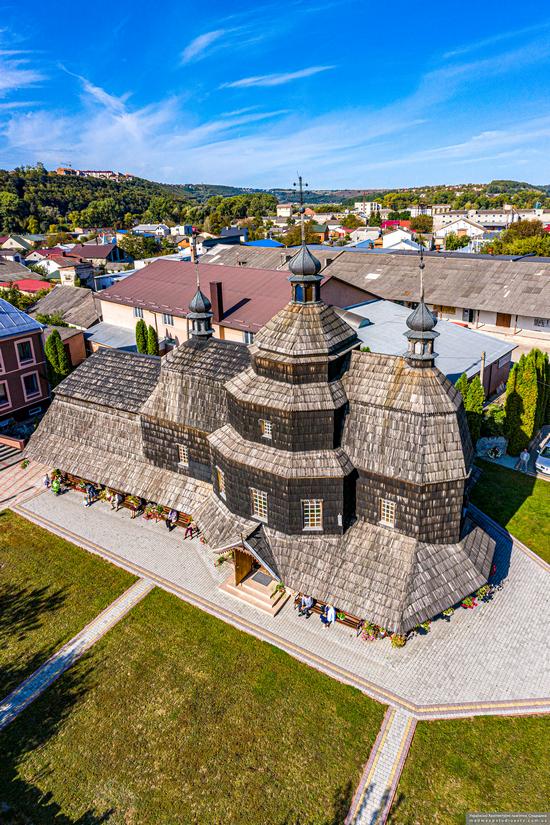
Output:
x,y
454,241
141,336
422,223
474,407
294,235
63,361
9,212
463,386
52,358
375,219
139,247
33,227
351,221
514,408
152,341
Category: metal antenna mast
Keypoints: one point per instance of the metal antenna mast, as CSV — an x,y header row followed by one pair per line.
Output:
x,y
300,184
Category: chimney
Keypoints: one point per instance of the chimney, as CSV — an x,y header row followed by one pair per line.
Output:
x,y
216,299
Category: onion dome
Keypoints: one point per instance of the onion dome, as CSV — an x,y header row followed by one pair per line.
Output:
x,y
200,314
305,278
421,320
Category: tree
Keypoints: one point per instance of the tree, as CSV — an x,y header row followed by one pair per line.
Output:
x,y
422,223
375,219
453,241
141,336
64,364
9,212
514,408
462,386
294,235
351,221
32,225
152,341
474,407
56,369
139,247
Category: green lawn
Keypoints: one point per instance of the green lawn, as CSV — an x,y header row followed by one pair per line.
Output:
x,y
176,717
478,765
49,590
518,502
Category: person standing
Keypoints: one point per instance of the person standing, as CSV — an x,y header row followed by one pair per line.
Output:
x,y
118,499
46,481
524,460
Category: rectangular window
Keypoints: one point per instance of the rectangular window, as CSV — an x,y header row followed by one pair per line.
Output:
x,y
312,514
259,504
167,319
220,478
138,312
265,428
31,385
542,322
248,337
4,394
183,453
387,512
25,354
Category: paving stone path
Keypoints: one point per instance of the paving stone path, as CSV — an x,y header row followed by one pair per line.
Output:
x,y
66,656
484,661
374,795
16,482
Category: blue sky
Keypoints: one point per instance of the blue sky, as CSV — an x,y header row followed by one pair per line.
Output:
x,y
351,93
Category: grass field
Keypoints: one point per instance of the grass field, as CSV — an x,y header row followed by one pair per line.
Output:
x,y
49,590
176,717
518,502
474,765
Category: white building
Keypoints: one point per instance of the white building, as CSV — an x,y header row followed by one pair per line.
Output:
x,y
158,229
366,208
418,209
399,239
284,210
461,227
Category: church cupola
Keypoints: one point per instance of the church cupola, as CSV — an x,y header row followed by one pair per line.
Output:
x,y
421,334
200,314
305,278
305,267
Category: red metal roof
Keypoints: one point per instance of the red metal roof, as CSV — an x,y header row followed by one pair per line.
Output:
x,y
92,250
30,285
251,297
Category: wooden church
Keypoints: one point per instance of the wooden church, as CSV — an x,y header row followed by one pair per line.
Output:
x,y
343,474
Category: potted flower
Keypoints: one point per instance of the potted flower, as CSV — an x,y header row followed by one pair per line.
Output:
x,y
398,640
448,612
279,588
340,616
483,593
469,602
25,463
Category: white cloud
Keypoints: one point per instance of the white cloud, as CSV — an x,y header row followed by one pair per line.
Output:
x,y
196,47
274,79
16,74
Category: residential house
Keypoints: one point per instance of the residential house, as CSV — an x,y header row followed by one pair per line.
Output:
x,y
462,227
285,210
107,255
76,306
419,209
24,388
17,242
31,286
320,231
242,298
158,229
365,233
498,295
239,232
399,239
366,208
11,271
185,229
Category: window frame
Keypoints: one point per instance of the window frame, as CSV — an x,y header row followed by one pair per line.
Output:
x,y
138,312
183,455
220,481
167,323
266,429
248,337
259,504
32,359
7,405
2,367
312,505
38,393
387,505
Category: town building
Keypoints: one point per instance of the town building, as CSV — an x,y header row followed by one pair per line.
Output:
x,y
243,298
366,208
24,388
341,473
73,340
158,229
285,210
100,255
76,306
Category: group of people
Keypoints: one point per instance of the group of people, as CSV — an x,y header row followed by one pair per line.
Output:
x,y
53,484
328,613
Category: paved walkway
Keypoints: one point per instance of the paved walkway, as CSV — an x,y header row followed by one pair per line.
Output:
x,y
490,660
37,682
510,461
376,790
16,483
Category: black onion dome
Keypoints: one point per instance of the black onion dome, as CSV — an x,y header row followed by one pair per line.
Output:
x,y
421,320
304,265
200,303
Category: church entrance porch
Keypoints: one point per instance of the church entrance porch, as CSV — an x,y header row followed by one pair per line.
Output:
x,y
252,583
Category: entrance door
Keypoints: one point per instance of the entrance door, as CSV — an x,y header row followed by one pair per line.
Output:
x,y
503,319
244,563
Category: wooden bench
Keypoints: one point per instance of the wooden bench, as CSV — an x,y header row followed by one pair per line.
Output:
x,y
319,608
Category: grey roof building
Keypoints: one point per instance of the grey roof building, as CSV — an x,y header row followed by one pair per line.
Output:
x,y
77,306
344,474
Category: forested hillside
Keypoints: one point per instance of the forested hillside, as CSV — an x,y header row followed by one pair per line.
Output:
x,y
35,200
